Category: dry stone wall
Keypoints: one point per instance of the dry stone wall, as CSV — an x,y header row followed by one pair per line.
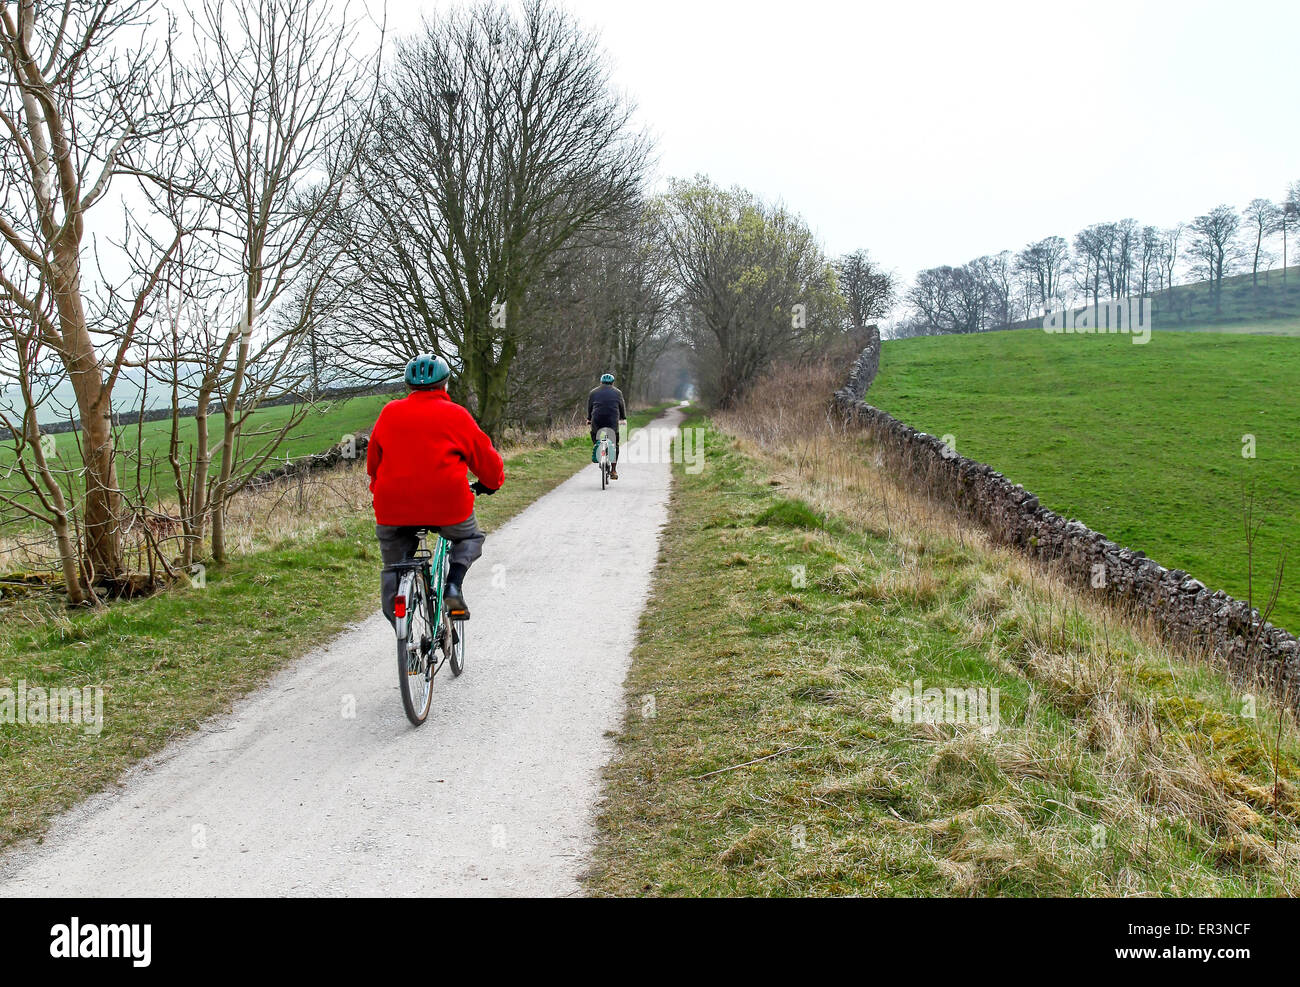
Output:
x,y
1184,610
346,452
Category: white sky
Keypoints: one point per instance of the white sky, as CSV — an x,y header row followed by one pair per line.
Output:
x,y
933,132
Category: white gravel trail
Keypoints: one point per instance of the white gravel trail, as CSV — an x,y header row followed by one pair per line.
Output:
x,y
494,795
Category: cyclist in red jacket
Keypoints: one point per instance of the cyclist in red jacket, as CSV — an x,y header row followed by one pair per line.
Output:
x,y
417,458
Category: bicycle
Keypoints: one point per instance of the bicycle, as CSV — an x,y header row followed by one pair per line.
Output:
x,y
418,609
603,446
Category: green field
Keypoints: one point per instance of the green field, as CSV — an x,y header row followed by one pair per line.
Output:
x,y
323,425
1288,326
1141,442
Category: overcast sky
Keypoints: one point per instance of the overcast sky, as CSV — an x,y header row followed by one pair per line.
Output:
x,y
933,132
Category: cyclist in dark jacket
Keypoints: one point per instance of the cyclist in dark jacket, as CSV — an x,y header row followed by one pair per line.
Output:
x,y
605,409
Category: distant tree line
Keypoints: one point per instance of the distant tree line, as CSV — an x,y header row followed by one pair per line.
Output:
x,y
1105,261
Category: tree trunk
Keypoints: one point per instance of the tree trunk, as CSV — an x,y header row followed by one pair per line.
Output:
x,y
69,561
103,499
199,481
627,374
491,393
488,370
230,412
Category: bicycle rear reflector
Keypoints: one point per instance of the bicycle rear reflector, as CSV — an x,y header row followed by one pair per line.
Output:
x,y
399,607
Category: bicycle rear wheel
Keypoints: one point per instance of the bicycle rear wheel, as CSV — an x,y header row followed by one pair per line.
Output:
x,y
415,646
604,474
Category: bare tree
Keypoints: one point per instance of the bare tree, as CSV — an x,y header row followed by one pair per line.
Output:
x,y
930,297
1263,219
632,298
1120,241
498,142
603,305
88,98
998,272
1107,251
1148,262
1090,246
742,267
1046,263
1168,254
44,492
561,343
868,291
970,297
976,296
1288,217
948,299
190,350
286,98
1213,246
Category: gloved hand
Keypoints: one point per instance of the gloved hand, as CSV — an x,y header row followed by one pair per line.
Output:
x,y
479,488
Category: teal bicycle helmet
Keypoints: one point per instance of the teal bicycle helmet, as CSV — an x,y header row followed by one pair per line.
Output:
x,y
607,378
426,370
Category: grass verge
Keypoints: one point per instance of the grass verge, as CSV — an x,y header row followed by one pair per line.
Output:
x,y
763,752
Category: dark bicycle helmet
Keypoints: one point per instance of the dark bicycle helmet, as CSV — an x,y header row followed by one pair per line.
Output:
x,y
426,370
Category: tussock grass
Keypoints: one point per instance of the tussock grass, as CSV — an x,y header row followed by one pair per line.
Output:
x,y
1117,767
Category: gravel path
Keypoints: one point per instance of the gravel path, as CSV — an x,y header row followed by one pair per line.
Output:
x,y
317,785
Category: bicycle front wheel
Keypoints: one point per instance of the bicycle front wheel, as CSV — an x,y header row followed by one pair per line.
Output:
x,y
415,647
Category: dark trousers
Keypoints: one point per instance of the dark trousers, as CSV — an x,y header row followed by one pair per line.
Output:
x,y
398,542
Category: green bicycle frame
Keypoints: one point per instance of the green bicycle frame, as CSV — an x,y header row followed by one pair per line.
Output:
x,y
434,569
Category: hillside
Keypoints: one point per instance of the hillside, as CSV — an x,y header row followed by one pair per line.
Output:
x,y
1271,307
1142,443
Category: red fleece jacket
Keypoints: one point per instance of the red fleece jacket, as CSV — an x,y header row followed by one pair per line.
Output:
x,y
417,457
